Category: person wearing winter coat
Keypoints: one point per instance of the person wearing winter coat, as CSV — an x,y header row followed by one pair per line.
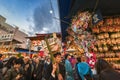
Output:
x,y
58,69
84,69
47,69
1,66
68,67
27,69
38,70
105,71
14,72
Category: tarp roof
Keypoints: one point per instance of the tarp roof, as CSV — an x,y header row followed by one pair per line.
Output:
x,y
68,8
21,50
64,8
107,7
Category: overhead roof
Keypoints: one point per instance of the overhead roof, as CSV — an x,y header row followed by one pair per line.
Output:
x,y
68,8
64,8
107,7
43,36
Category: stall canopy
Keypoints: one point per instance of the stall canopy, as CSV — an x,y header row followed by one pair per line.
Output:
x,y
107,7
68,8
64,8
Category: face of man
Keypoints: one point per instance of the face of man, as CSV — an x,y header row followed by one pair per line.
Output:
x,y
83,59
25,60
17,66
58,58
48,59
69,57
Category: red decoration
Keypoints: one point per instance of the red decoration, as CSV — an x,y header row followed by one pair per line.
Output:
x,y
92,60
41,53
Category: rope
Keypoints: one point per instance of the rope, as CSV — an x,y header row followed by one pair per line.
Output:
x,y
95,7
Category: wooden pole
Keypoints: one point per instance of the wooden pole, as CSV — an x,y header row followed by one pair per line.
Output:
x,y
49,49
50,52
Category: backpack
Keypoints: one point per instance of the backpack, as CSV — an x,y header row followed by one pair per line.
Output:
x,y
76,73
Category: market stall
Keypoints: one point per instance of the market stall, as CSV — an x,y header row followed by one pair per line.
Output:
x,y
88,37
81,37
107,34
45,44
99,40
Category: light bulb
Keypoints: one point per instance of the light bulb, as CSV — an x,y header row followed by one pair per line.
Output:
x,y
51,11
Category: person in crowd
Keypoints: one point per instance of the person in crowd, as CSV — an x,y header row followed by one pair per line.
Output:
x,y
75,70
1,66
105,71
47,68
38,70
84,69
74,61
1,63
68,68
14,72
62,60
8,65
32,63
58,70
27,68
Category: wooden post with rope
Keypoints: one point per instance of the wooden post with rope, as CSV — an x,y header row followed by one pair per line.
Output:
x,y
50,52
49,49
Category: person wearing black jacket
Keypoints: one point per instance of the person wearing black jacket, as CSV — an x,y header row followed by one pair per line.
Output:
x,y
1,66
58,69
105,71
47,69
27,69
38,70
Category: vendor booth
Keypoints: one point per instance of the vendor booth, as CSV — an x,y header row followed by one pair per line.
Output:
x,y
95,29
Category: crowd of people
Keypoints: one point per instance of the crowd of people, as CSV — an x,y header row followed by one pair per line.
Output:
x,y
67,67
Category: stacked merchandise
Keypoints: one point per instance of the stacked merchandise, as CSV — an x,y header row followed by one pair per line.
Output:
x,y
107,34
81,37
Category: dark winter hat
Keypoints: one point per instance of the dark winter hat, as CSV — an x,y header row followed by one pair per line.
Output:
x,y
56,54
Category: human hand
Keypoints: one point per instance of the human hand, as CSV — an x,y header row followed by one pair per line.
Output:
x,y
18,77
60,77
54,68
34,75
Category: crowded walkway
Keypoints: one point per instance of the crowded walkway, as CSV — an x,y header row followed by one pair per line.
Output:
x,y
64,67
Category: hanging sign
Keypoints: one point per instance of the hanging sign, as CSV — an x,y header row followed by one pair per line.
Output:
x,y
97,17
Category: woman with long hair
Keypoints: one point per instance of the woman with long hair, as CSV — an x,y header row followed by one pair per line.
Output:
x,y
8,65
105,71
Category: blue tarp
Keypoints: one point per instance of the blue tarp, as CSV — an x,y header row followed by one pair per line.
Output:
x,y
64,8
20,50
